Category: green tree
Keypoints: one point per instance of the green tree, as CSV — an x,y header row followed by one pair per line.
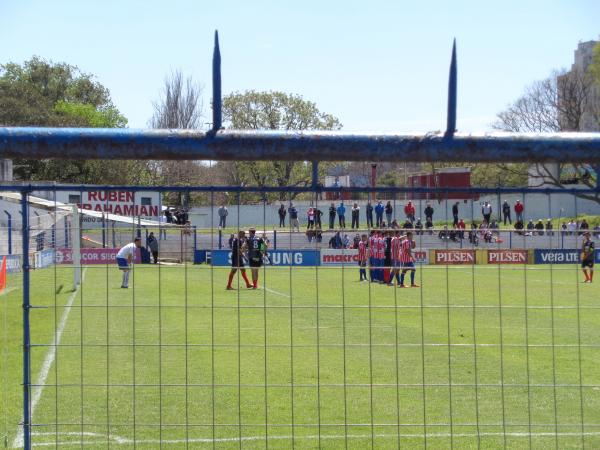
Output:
x,y
254,110
43,93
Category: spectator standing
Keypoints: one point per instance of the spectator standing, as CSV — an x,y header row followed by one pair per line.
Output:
x,y
506,212
564,229
455,213
409,210
519,208
572,227
379,214
486,211
428,213
355,216
223,213
318,215
331,216
293,212
597,231
388,212
369,211
341,212
231,239
310,217
152,244
584,226
282,213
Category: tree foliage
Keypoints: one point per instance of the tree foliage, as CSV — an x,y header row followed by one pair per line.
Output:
x,y
43,93
565,101
254,110
179,107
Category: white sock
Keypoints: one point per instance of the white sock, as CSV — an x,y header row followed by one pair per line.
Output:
x,y
125,277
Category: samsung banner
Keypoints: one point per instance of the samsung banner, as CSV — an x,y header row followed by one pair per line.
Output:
x,y
276,257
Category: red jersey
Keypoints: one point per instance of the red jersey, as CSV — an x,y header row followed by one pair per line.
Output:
x,y
406,252
372,246
362,251
396,246
380,252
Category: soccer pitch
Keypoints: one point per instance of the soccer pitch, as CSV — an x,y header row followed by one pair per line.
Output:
x,y
478,357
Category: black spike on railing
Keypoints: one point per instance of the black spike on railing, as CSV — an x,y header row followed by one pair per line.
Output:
x,y
216,79
452,78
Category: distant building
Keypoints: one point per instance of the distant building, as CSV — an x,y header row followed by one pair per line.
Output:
x,y
449,177
589,121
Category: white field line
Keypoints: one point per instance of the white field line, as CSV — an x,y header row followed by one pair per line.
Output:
x,y
272,291
48,361
116,440
7,290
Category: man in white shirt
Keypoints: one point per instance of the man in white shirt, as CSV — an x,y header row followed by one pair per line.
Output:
x,y
125,258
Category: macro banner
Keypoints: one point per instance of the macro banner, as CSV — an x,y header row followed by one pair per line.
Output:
x,y
349,257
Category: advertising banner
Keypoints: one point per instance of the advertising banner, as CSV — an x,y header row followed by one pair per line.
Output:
x,y
44,258
557,256
276,257
504,256
344,257
458,256
91,256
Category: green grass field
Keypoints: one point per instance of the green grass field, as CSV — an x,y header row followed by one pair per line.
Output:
x,y
479,357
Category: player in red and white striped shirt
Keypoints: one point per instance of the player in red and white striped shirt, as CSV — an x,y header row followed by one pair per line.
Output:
x,y
396,245
362,258
407,260
380,257
372,245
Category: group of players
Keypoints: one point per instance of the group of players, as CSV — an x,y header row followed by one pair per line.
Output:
x,y
389,255
251,250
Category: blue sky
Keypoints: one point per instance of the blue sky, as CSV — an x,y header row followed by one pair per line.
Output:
x,y
377,65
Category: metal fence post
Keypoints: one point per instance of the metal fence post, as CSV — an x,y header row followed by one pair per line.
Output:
x,y
26,331
274,239
220,239
103,231
9,226
66,233
195,238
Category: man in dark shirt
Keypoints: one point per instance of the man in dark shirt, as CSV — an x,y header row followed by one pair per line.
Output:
x,y
332,212
369,211
237,260
255,246
587,257
455,213
429,213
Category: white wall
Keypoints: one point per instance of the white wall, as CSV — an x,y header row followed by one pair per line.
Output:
x,y
537,206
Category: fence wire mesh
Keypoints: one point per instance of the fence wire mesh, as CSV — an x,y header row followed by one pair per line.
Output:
x,y
494,346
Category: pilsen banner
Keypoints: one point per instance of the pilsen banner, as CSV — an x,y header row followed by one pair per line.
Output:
x,y
458,256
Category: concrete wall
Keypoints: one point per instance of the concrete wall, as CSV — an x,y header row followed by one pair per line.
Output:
x,y
537,206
